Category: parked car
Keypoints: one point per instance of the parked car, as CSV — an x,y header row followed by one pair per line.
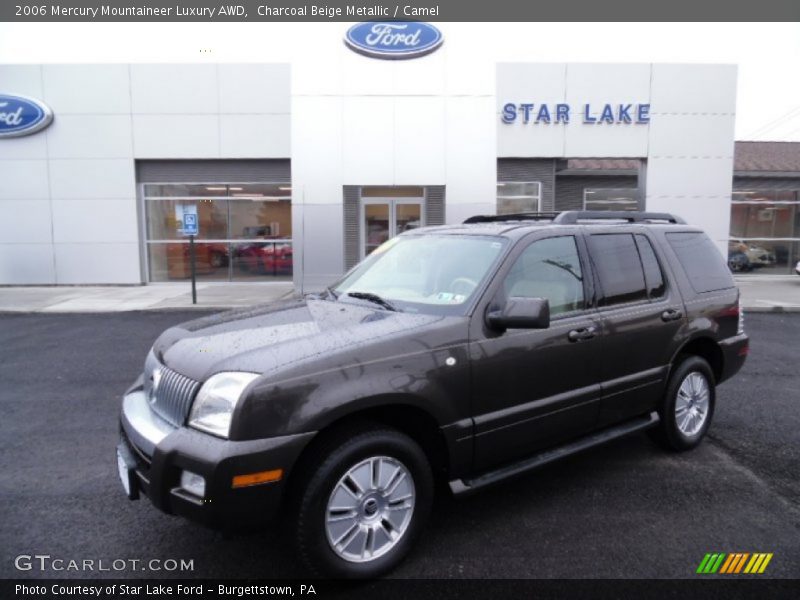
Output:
x,y
208,258
464,354
757,256
266,258
738,262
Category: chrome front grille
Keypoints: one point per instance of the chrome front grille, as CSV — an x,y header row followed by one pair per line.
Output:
x,y
170,393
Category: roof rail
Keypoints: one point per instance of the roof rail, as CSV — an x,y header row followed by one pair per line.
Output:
x,y
573,216
527,216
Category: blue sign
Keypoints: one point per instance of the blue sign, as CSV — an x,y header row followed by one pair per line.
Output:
x,y
190,226
590,114
393,40
22,116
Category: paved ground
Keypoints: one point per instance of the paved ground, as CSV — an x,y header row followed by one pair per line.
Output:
x,y
759,293
625,510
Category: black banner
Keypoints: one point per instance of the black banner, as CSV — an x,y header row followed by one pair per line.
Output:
x,y
388,589
423,10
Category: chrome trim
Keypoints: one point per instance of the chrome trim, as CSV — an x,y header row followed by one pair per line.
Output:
x,y
144,428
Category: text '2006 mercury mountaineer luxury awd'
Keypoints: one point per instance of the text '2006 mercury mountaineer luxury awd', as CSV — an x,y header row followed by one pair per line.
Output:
x,y
466,353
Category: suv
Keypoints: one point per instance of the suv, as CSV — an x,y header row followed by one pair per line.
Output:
x,y
465,354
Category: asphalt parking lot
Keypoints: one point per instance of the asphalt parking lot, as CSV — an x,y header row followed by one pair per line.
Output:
x,y
627,510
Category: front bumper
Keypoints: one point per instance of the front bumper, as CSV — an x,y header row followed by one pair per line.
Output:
x,y
155,453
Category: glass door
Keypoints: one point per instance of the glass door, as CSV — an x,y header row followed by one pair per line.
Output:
x,y
376,224
384,218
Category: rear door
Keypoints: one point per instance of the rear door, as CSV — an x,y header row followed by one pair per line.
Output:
x,y
640,315
534,388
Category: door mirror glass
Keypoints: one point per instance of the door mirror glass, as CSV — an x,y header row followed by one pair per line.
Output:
x,y
520,313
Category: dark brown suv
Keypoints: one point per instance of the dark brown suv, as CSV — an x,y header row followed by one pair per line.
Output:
x,y
467,353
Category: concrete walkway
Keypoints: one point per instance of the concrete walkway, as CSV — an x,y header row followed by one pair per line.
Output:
x,y
768,293
760,293
157,296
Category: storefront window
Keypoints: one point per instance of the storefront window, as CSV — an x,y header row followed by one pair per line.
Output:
x,y
244,231
765,231
610,199
518,197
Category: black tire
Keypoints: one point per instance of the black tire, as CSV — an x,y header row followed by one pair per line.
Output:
x,y
668,433
218,260
322,472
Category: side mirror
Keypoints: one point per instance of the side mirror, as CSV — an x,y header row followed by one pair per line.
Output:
x,y
520,313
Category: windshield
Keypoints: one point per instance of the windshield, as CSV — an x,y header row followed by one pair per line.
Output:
x,y
424,273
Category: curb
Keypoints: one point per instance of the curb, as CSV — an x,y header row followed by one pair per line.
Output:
x,y
771,309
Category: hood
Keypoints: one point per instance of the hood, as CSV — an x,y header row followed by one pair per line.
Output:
x,y
270,338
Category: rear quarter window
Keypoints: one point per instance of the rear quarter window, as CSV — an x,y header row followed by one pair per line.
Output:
x,y
701,261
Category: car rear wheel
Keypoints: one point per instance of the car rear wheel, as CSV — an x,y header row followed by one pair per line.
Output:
x,y
688,405
363,504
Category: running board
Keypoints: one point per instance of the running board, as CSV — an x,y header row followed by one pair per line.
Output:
x,y
461,487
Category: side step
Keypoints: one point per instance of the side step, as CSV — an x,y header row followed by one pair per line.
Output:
x,y
461,487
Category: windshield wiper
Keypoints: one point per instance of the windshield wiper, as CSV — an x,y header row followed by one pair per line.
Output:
x,y
369,296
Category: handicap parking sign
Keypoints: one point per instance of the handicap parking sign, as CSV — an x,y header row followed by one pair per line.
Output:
x,y
190,226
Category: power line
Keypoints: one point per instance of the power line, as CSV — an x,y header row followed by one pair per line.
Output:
x,y
775,122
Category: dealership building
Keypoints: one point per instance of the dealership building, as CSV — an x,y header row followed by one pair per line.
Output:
x,y
297,171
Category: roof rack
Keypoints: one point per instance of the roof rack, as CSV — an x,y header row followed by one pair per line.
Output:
x,y
571,217
526,216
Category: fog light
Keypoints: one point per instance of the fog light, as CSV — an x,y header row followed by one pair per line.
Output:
x,y
193,483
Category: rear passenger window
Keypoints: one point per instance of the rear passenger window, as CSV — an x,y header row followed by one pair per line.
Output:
x,y
701,260
653,277
616,260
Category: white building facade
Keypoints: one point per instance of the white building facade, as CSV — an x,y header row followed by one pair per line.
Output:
x,y
296,171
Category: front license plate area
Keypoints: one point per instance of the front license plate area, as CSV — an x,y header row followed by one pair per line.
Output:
x,y
127,474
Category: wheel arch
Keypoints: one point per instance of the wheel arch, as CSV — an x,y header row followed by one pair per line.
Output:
x,y
394,411
707,349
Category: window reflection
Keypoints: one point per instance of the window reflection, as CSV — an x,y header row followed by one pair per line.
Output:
x,y
765,231
230,217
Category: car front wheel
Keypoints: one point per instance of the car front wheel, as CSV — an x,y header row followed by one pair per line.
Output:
x,y
688,405
365,502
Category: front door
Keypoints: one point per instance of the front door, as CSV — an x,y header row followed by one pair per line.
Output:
x,y
534,388
384,218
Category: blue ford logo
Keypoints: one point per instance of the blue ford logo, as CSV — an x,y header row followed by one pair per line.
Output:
x,y
22,116
393,39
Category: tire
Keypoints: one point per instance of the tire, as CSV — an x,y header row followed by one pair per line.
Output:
x,y
687,407
359,486
218,260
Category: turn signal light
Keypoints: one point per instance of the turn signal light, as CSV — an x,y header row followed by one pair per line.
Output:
x,y
240,481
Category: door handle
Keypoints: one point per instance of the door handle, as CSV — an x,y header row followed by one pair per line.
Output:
x,y
671,314
584,333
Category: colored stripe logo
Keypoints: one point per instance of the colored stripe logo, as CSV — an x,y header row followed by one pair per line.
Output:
x,y
734,563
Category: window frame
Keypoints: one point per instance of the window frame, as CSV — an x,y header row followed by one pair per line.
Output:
x,y
659,263
537,197
600,291
142,218
498,290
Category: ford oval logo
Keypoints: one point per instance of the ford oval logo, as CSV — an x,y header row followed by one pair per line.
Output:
x,y
22,116
393,39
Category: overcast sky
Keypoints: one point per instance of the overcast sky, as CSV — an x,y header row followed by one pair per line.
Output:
x,y
767,54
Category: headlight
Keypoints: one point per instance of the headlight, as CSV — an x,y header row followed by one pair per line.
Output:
x,y
213,407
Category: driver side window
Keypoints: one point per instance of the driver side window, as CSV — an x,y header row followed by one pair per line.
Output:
x,y
549,268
